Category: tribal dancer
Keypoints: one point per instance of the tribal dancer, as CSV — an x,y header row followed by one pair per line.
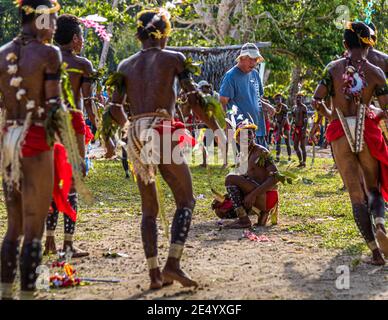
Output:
x,y
282,126
149,81
30,85
70,40
256,189
356,139
379,59
299,116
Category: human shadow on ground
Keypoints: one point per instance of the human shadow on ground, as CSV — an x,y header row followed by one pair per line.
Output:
x,y
365,281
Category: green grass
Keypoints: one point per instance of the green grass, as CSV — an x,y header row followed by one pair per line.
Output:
x,y
314,204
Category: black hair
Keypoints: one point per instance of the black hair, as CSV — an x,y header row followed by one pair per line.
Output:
x,y
27,18
144,32
353,37
67,26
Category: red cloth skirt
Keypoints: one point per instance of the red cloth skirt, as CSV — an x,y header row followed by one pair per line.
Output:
x,y
80,126
298,133
272,198
63,174
35,142
169,127
375,142
286,127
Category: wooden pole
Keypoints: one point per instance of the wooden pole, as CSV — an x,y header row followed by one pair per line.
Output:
x,y
105,49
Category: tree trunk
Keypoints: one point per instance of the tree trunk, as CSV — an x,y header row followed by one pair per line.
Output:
x,y
105,49
295,82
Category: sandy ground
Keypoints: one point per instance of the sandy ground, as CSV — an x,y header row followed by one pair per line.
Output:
x,y
226,265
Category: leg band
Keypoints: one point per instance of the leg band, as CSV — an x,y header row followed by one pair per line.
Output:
x,y
6,291
26,295
181,225
31,258
52,218
9,257
235,195
68,237
256,210
149,234
241,212
376,204
152,263
175,251
69,225
50,233
364,224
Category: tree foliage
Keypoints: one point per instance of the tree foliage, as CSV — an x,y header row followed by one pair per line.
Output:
x,y
305,34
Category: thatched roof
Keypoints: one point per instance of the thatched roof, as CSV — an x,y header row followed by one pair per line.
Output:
x,y
216,61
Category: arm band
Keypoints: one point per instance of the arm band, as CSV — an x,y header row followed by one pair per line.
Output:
x,y
86,80
184,75
381,91
52,76
115,104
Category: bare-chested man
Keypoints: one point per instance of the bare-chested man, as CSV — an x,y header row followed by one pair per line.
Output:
x,y
256,189
30,84
355,137
299,117
150,78
376,57
70,40
282,126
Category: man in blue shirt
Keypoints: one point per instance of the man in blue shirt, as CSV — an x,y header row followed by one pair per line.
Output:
x,y
242,87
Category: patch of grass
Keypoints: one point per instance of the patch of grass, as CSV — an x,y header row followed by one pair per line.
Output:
x,y
314,202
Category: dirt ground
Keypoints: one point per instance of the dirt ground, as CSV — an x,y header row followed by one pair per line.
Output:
x,y
226,265
291,265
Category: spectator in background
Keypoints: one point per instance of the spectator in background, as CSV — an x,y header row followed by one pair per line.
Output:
x,y
241,86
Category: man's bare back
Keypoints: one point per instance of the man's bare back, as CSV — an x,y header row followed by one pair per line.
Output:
x,y
151,79
374,77
379,59
35,59
76,78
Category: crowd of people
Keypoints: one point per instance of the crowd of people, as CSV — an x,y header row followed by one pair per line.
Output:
x,y
44,136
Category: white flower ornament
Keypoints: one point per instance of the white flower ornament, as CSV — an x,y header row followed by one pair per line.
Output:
x,y
30,104
20,94
12,69
15,82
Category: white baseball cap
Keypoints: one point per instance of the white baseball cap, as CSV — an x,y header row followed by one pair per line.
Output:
x,y
252,51
203,83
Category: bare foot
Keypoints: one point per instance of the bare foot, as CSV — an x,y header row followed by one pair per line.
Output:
x,y
50,247
75,252
262,219
171,275
156,279
239,224
377,259
382,240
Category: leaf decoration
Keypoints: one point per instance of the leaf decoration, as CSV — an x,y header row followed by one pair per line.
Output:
x,y
116,81
67,91
97,78
194,67
285,177
213,108
263,158
109,127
